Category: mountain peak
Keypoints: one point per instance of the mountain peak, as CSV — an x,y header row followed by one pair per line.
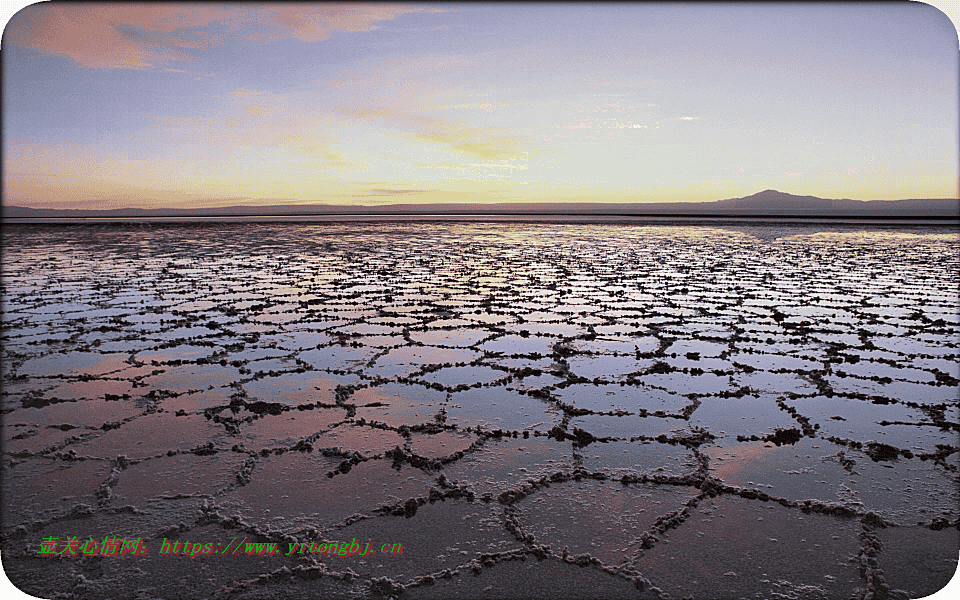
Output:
x,y
768,199
775,194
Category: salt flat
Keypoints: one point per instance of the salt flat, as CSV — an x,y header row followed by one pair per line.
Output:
x,y
659,410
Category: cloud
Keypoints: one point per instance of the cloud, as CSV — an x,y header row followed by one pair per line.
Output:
x,y
246,93
141,36
115,36
256,110
484,106
484,143
387,192
487,143
317,22
246,118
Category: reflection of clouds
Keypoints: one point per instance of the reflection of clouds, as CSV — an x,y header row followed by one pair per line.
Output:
x,y
745,454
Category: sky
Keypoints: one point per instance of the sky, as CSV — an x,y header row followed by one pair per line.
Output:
x,y
200,105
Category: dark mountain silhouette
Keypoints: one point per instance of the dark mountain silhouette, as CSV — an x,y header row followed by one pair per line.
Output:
x,y
774,200
768,203
771,202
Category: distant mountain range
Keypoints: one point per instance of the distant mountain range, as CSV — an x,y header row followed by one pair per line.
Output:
x,y
768,203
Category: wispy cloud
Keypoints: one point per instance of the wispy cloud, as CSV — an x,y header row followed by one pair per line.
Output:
x,y
484,143
246,93
141,36
388,192
317,22
487,143
247,118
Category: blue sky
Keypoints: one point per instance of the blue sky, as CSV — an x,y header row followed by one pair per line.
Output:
x,y
201,105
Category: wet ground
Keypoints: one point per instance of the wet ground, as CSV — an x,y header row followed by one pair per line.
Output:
x,y
532,410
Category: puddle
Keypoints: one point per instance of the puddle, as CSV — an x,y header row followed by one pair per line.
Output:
x,y
293,490
699,347
561,329
293,341
604,519
514,345
440,445
917,560
502,464
531,578
294,388
857,419
468,376
97,388
200,400
624,426
747,416
262,368
339,358
616,459
500,408
172,476
367,329
152,435
680,383
608,368
189,377
80,413
36,488
412,359
289,427
184,352
730,548
904,491
398,404
607,398
806,470
456,338
368,441
73,363
534,382
380,341
774,383
458,532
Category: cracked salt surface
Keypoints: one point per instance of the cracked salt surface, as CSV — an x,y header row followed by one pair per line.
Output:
x,y
551,410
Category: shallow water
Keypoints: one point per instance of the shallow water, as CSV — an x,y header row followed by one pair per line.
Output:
x,y
656,409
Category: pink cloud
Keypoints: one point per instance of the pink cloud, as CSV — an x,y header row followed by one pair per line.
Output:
x,y
317,22
140,36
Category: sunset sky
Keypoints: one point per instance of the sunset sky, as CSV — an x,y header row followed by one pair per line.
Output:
x,y
111,105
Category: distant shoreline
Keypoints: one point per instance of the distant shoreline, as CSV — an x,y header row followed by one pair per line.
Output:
x,y
590,218
768,204
511,214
